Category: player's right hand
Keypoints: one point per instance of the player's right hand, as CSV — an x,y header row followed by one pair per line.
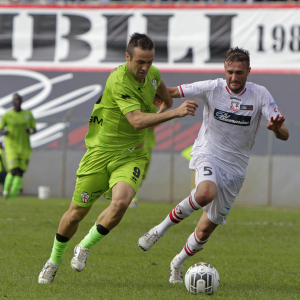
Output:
x,y
188,107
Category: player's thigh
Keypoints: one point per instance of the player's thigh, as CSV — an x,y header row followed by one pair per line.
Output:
x,y
23,163
89,188
228,189
130,169
205,181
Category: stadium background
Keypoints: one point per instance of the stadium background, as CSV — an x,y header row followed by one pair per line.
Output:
x,y
59,57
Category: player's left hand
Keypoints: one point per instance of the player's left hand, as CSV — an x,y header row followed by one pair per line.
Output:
x,y
275,123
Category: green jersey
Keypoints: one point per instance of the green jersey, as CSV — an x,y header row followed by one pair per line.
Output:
x,y
109,129
150,136
17,140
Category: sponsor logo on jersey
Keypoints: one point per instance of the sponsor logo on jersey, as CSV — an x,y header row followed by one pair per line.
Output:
x,y
96,121
224,211
154,84
272,103
235,106
85,197
246,107
231,118
125,97
27,117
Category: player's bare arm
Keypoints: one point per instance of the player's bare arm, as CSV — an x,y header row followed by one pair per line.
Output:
x,y
277,126
140,120
163,93
174,92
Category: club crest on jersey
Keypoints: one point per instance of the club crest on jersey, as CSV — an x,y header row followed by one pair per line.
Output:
x,y
27,117
154,84
85,197
235,106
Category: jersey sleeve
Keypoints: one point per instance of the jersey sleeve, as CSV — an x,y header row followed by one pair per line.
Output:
x,y
269,106
32,123
196,90
125,99
3,122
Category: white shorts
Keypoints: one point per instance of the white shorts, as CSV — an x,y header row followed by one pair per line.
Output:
x,y
228,187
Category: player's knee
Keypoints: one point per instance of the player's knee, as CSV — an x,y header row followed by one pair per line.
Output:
x,y
119,205
74,216
204,197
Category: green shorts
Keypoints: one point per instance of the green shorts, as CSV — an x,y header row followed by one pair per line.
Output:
x,y
99,171
15,160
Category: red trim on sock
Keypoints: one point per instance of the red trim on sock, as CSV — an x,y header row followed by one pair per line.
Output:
x,y
199,241
172,218
189,251
192,204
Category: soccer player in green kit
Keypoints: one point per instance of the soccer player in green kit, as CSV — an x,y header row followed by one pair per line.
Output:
x,y
114,162
16,125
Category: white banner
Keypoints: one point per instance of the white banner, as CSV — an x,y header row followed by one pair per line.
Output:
x,y
186,38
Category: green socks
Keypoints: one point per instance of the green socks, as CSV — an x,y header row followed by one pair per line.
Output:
x,y
7,183
58,251
89,240
92,238
12,184
16,186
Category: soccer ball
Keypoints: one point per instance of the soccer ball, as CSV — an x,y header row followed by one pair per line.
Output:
x,y
202,278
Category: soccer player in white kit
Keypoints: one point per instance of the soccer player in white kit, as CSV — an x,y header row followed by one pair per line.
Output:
x,y
220,154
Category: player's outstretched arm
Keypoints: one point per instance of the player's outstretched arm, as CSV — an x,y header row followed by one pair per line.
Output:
x,y
174,92
280,130
140,120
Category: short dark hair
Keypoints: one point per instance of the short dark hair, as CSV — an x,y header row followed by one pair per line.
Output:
x,y
237,54
17,96
138,40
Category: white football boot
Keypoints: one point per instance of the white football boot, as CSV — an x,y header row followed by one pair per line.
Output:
x,y
175,273
48,272
79,259
148,239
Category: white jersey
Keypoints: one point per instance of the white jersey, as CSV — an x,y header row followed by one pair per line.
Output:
x,y
230,121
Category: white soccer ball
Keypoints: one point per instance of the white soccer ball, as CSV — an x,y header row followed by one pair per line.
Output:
x,y
202,278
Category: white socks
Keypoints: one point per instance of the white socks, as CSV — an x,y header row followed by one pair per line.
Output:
x,y
184,209
192,246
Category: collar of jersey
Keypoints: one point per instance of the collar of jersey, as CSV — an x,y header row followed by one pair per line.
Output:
x,y
237,95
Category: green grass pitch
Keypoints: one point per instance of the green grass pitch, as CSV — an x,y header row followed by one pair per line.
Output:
x,y
256,254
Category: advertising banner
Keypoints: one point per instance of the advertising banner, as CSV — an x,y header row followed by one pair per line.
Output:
x,y
187,38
